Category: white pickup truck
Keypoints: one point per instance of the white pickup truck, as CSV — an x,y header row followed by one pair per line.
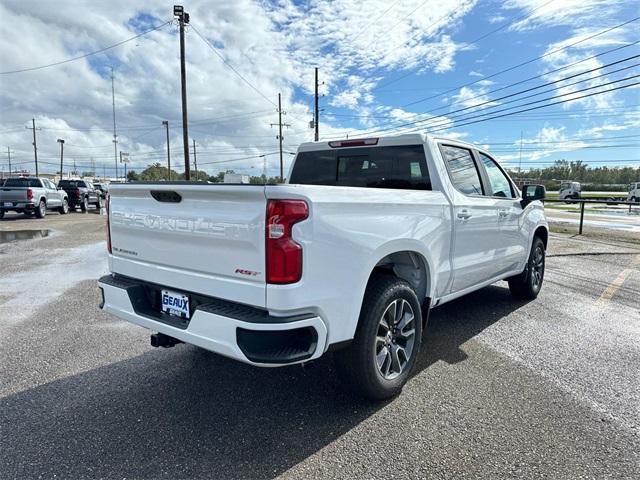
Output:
x,y
348,256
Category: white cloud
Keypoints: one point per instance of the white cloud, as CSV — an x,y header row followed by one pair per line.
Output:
x,y
576,13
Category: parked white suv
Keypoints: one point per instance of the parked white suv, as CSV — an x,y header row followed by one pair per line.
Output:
x,y
350,255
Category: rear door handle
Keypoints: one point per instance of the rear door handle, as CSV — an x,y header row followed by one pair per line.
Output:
x,y
503,212
464,214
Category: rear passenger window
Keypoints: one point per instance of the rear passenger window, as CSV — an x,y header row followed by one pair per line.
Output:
x,y
401,167
462,169
498,182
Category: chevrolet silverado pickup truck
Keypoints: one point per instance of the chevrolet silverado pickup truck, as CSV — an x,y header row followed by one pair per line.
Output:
x,y
81,194
32,196
349,255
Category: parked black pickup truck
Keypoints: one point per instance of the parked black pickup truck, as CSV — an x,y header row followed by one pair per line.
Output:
x,y
81,194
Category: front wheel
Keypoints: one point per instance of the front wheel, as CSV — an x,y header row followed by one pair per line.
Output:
x,y
64,209
527,285
41,210
378,362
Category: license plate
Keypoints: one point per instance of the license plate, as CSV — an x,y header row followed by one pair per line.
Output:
x,y
175,303
8,204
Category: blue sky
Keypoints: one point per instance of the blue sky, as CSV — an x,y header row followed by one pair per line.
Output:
x,y
376,59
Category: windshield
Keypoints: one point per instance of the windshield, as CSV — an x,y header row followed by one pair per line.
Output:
x,y
23,182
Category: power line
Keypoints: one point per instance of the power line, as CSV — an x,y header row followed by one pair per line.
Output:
x,y
512,84
86,54
440,118
564,79
224,60
544,106
468,84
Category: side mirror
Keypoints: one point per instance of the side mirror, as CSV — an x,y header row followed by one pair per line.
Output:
x,y
531,193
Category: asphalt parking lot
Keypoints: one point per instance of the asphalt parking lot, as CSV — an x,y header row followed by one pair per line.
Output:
x,y
503,389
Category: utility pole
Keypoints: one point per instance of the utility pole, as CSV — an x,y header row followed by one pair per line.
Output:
x,y
280,137
115,135
316,118
195,159
75,172
9,155
166,124
61,142
35,145
520,162
183,19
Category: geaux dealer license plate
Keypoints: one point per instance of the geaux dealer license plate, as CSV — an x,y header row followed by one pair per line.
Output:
x,y
175,303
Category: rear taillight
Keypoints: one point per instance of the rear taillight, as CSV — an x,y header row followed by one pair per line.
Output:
x,y
284,255
108,226
29,194
77,192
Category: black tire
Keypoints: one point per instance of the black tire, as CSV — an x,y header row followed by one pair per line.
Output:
x,y
41,209
64,209
527,285
1,214
358,364
84,206
99,203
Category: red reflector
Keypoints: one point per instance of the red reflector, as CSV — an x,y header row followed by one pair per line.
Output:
x,y
283,254
353,143
108,226
29,194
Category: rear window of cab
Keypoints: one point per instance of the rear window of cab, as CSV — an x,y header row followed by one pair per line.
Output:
x,y
399,167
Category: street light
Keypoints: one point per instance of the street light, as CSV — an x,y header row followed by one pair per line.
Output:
x,y
166,124
61,142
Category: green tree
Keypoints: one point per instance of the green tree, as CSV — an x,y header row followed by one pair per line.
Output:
x,y
157,173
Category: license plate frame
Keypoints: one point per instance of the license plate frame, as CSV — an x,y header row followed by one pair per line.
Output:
x,y
7,204
174,303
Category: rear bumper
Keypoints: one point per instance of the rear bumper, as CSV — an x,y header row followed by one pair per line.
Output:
x,y
18,207
243,333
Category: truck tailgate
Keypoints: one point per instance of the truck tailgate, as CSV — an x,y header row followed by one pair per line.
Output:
x,y
207,239
13,194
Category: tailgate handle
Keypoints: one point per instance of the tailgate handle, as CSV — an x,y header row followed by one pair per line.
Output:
x,y
167,196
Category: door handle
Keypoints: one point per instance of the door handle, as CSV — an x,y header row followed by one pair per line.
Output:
x,y
503,213
464,214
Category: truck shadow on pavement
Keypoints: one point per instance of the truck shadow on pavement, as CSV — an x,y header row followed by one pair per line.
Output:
x,y
185,412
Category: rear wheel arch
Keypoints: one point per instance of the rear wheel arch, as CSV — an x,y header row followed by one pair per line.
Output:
x,y
408,265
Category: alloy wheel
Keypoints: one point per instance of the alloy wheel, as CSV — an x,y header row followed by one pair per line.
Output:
x,y
537,266
395,339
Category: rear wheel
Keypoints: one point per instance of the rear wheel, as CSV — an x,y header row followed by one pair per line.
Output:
x,y
527,285
1,214
84,206
41,209
64,209
378,362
